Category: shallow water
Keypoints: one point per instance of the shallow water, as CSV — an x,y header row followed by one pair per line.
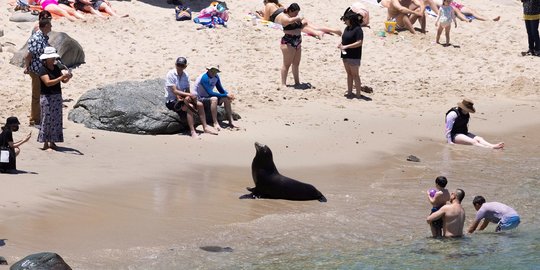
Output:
x,y
374,217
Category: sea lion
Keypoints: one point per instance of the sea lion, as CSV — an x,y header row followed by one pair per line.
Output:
x,y
270,184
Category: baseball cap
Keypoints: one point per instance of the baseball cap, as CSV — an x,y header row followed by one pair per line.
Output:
x,y
181,61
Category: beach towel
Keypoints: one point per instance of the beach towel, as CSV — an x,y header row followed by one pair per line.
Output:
x,y
215,14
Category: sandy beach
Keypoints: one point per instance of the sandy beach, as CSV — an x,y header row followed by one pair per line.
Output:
x,y
415,82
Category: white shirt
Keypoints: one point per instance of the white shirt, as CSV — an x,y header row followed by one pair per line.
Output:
x,y
181,82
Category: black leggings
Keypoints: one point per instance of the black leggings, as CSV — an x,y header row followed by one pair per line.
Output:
x,y
532,33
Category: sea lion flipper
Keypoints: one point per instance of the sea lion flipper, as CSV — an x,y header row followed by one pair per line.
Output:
x,y
247,196
251,189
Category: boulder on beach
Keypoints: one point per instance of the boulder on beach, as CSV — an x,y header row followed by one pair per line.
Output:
x,y
38,261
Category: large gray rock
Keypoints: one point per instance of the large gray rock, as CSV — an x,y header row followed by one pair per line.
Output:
x,y
69,49
20,16
41,261
131,107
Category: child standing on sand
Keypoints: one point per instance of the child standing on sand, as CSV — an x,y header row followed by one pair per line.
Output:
x,y
438,198
444,21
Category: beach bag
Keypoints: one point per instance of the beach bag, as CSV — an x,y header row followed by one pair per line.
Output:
x,y
183,13
7,159
4,155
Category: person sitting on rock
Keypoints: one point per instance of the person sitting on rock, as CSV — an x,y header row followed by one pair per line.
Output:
x,y
204,89
179,99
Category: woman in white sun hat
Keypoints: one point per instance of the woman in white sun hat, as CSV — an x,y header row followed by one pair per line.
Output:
x,y
50,129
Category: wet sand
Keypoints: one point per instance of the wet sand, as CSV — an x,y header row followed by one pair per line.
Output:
x,y
160,220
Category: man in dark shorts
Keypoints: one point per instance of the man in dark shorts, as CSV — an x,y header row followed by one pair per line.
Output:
x,y
178,97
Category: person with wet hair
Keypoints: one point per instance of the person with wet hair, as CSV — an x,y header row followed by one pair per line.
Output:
x,y
501,214
438,199
453,215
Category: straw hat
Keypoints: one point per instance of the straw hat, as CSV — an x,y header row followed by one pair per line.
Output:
x,y
467,105
216,68
49,52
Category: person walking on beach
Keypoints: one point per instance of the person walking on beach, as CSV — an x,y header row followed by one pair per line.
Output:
x,y
51,128
351,52
453,215
179,99
7,160
32,63
457,121
531,15
444,21
204,89
438,198
501,214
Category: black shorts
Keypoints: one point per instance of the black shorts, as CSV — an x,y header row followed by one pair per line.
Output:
x,y
178,110
437,224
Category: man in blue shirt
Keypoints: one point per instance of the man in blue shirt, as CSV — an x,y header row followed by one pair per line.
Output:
x,y
204,88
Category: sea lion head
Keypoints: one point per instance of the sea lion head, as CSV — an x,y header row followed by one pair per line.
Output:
x,y
263,161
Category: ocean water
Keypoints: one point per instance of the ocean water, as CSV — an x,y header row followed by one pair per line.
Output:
x,y
374,217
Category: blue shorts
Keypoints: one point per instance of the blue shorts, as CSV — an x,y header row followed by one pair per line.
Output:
x,y
508,224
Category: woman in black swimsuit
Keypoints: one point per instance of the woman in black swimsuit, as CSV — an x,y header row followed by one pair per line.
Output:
x,y
272,8
291,42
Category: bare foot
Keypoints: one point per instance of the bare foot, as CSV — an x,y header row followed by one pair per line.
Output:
x,y
45,146
499,146
496,19
216,127
194,135
54,146
233,126
210,131
350,95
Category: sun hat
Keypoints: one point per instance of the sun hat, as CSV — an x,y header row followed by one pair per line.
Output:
x,y
181,61
49,52
467,105
12,120
213,67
